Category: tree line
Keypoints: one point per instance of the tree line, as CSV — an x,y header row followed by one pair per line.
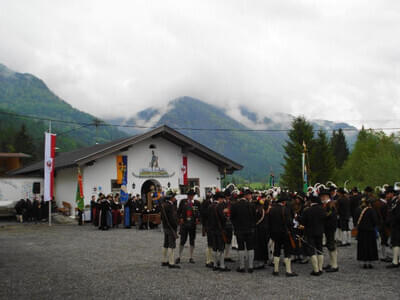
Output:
x,y
374,160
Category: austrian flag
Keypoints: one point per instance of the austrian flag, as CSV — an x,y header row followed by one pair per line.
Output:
x,y
49,154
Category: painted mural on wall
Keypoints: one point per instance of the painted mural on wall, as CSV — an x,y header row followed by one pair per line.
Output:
x,y
153,170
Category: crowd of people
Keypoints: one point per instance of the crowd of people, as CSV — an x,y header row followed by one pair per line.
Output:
x,y
260,225
36,210
109,212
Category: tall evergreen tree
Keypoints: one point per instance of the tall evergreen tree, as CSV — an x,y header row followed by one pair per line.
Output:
x,y
302,131
322,159
339,148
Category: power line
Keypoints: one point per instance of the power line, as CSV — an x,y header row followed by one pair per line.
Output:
x,y
180,128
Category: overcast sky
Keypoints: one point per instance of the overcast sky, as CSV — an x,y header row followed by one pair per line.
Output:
x,y
337,60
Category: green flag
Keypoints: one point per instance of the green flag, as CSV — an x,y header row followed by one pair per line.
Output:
x,y
79,193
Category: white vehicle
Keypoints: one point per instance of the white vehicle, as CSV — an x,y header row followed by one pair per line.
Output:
x,y
12,189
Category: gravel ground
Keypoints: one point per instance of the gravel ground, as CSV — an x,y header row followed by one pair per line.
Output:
x,y
71,262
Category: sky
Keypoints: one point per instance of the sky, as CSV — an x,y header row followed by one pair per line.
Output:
x,y
334,60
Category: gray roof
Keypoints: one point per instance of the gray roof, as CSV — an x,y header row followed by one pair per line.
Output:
x,y
89,154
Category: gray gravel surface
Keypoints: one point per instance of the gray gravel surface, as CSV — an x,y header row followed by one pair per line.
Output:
x,y
73,262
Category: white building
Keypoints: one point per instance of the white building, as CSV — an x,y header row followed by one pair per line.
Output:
x,y
155,158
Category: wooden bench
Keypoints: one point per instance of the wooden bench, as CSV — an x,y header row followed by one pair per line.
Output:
x,y
66,209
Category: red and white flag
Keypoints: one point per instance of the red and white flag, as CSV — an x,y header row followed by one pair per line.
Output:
x,y
184,170
49,154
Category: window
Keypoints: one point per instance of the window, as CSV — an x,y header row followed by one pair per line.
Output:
x,y
115,186
152,146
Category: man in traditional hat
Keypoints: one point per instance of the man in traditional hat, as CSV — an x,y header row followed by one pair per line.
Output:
x,y
205,228
313,221
243,218
280,225
355,200
330,229
170,224
344,210
188,215
381,207
216,225
395,231
228,225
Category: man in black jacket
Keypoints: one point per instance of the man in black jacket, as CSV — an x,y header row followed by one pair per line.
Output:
x,y
280,224
330,229
395,231
205,228
216,225
344,210
243,217
188,215
170,224
313,220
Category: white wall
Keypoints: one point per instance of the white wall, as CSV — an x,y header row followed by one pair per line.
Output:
x,y
65,183
104,170
16,188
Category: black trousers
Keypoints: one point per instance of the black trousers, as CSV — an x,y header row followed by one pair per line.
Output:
x,y
344,224
229,235
245,239
314,243
169,239
217,241
330,239
188,231
281,241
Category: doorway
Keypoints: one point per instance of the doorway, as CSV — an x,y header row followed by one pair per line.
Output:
x,y
148,190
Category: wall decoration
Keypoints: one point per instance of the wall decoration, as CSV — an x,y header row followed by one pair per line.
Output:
x,y
153,170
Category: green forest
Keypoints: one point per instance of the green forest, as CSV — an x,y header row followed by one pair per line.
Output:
x,y
374,160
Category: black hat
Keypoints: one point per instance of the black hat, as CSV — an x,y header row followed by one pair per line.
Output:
x,y
219,195
227,193
315,199
332,188
341,191
247,192
324,192
368,189
169,195
390,189
354,190
301,195
283,197
191,192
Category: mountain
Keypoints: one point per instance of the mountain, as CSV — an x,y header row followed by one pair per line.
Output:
x,y
28,95
260,152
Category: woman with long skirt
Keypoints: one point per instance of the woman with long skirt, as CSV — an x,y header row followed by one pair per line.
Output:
x,y
367,248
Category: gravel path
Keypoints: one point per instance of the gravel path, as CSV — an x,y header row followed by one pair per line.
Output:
x,y
72,262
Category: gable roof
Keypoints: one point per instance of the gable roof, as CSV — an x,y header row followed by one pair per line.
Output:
x,y
89,154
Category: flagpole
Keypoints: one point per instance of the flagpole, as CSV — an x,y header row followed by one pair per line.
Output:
x,y
50,199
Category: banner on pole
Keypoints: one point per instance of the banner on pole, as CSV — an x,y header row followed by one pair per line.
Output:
x,y
122,165
49,155
79,193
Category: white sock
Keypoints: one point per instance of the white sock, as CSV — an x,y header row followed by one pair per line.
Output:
x,y
276,264
180,250
251,259
334,263
221,260
164,253
241,259
227,250
171,255
215,256
314,263
320,262
396,252
288,265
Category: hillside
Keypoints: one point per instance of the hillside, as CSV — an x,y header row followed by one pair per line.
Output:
x,y
259,152
27,94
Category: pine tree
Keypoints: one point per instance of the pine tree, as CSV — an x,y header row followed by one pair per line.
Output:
x,y
302,131
339,148
322,159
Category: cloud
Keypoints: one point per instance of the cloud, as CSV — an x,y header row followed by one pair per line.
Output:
x,y
322,59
